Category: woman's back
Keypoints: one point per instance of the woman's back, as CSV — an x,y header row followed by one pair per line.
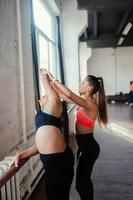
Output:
x,y
49,137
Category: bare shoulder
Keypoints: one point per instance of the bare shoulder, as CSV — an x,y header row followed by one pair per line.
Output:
x,y
92,110
92,105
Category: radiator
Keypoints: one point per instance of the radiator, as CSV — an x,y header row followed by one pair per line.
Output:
x,y
16,188
10,191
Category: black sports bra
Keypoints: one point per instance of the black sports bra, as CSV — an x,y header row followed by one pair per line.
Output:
x,y
43,118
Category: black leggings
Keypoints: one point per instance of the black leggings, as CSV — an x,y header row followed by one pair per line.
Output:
x,y
59,174
88,152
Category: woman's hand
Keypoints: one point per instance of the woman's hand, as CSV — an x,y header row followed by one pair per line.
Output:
x,y
23,156
16,162
43,72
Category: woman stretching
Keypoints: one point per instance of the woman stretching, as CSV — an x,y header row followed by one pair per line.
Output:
x,y
52,144
92,105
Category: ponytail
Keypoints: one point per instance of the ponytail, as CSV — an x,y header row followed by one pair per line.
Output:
x,y
98,88
102,104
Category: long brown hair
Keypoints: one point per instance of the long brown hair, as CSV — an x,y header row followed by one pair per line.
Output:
x,y
65,123
98,87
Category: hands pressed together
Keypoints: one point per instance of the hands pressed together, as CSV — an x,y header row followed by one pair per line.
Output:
x,y
44,72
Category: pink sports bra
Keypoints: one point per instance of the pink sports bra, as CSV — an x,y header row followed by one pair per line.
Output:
x,y
81,118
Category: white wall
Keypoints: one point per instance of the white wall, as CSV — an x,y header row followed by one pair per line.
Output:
x,y
9,115
124,68
54,5
84,55
102,63
17,102
58,4
73,21
16,75
115,66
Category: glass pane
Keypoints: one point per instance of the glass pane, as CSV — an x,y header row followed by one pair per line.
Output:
x,y
43,20
43,52
43,57
52,59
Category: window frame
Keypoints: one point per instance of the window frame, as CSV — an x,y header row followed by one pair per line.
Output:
x,y
48,39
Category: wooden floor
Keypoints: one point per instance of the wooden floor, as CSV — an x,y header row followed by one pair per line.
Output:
x,y
113,171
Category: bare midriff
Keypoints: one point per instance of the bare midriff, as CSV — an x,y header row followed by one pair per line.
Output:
x,y
82,129
49,139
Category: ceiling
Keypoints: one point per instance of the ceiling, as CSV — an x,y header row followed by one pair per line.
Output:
x,y
106,21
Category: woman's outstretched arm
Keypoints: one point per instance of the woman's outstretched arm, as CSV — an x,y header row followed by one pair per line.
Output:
x,y
47,86
68,94
31,151
61,95
24,155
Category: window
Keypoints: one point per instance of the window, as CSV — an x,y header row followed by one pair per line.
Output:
x,y
45,25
